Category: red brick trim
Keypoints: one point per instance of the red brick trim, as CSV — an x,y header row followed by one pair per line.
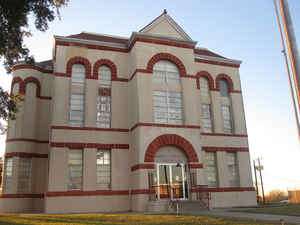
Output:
x,y
166,56
25,155
170,139
138,71
22,196
207,76
217,63
228,79
224,149
163,125
108,63
26,140
36,82
86,193
32,67
45,97
18,80
141,191
87,145
224,135
89,128
160,42
80,60
224,189
142,167
60,75
196,166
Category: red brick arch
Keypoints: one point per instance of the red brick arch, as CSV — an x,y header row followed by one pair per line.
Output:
x,y
209,78
166,56
227,78
108,63
80,60
170,139
18,80
35,81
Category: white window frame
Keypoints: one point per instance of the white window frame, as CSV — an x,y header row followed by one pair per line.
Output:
x,y
164,110
211,168
24,175
165,71
204,87
104,76
227,119
72,167
103,116
103,167
77,108
78,74
207,125
233,169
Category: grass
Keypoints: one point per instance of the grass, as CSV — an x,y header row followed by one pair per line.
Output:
x,y
282,209
119,219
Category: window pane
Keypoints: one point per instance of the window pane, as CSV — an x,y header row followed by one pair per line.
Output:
x,y
204,86
233,174
206,118
104,168
103,119
104,77
165,71
7,185
76,114
226,112
24,175
78,74
223,88
211,168
75,169
167,107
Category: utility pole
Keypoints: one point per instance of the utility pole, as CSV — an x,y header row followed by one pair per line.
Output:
x,y
292,45
287,68
256,185
260,168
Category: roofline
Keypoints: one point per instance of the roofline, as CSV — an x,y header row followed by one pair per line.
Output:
x,y
106,35
217,59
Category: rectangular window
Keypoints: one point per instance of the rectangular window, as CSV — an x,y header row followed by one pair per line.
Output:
x,y
76,117
233,173
211,168
24,175
75,169
103,112
103,169
227,119
78,74
206,118
167,107
8,171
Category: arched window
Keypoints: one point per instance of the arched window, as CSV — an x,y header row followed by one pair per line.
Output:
x,y
103,119
224,90
104,76
165,71
204,86
78,74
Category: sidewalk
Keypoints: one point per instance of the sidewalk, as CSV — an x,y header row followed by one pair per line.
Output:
x,y
255,216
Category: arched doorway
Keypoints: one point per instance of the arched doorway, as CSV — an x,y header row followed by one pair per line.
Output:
x,y
171,173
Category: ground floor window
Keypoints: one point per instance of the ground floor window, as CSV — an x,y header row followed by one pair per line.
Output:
x,y
233,173
24,175
210,165
103,169
8,171
75,169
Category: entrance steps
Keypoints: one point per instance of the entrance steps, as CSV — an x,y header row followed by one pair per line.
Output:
x,y
184,206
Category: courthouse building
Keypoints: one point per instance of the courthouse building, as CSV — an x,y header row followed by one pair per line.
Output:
x,y
119,124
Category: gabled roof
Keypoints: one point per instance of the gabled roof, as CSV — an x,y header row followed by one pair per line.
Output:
x,y
167,25
206,52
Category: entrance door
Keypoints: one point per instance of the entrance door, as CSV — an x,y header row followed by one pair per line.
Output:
x,y
171,181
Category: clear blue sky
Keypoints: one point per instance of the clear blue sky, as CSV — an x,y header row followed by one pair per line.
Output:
x,y
245,30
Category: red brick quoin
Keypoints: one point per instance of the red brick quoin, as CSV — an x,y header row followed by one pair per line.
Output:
x,y
108,63
170,139
206,75
79,60
166,56
227,78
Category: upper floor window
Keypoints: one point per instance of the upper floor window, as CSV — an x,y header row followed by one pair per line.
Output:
x,y
103,119
165,71
167,107
224,90
227,118
76,116
104,77
204,87
78,74
206,118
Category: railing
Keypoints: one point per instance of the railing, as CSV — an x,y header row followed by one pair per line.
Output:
x,y
202,193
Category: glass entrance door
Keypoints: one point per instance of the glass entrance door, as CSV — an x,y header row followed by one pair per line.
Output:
x,y
170,181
